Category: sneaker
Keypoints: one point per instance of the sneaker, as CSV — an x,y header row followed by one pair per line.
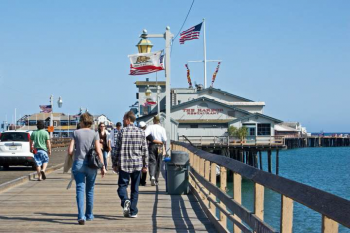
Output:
x,y
133,216
81,222
126,209
153,181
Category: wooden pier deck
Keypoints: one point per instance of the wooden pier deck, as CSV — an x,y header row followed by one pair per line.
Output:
x,y
48,207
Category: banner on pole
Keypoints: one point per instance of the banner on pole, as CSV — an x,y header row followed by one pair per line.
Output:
x,y
188,77
215,73
146,63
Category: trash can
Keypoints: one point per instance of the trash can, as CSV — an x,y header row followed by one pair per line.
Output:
x,y
166,160
177,173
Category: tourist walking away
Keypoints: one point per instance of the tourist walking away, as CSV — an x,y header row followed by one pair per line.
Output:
x,y
130,158
84,176
156,149
105,142
42,145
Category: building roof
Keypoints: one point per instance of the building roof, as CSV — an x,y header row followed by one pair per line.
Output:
x,y
223,92
284,128
238,103
256,115
44,116
145,83
149,117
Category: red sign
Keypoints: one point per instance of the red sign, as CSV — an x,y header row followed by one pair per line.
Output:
x,y
204,111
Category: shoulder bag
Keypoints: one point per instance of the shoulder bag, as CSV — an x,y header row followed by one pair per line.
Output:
x,y
93,160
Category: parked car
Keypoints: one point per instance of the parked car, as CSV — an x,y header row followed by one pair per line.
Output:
x,y
16,149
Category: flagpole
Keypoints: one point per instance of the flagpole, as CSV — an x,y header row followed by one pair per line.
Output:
x,y
205,55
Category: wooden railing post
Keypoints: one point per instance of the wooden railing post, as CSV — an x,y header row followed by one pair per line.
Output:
x,y
213,181
259,201
207,176
328,225
286,215
223,185
237,196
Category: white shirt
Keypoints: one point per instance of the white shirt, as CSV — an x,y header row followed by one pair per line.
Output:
x,y
157,131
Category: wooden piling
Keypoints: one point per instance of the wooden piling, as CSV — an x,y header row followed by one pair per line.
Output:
x,y
269,161
277,162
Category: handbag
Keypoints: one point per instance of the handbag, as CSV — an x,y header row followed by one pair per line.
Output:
x,y
93,160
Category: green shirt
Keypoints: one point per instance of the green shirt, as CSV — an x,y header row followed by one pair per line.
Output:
x,y
40,137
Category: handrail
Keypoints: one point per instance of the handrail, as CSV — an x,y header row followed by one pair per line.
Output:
x,y
187,140
334,209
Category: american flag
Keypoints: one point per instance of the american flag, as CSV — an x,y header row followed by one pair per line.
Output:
x,y
45,108
190,34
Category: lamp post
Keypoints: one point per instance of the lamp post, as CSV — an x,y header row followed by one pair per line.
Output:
x,y
59,104
143,46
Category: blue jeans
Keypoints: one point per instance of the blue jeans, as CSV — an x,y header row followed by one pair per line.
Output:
x,y
123,183
85,182
105,158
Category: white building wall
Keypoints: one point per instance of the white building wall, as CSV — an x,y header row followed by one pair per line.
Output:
x,y
202,131
258,120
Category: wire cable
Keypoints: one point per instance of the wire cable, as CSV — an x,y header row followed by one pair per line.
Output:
x,y
189,11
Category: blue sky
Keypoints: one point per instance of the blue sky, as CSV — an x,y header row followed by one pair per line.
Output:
x,y
294,55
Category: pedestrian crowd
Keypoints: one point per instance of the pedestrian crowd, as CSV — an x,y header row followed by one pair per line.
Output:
x,y
135,151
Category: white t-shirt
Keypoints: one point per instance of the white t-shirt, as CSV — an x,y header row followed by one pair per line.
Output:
x,y
158,132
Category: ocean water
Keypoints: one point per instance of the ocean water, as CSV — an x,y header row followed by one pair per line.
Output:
x,y
326,168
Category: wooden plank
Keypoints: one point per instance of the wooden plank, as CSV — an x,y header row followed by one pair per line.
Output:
x,y
237,196
213,181
334,207
259,201
223,185
47,206
329,225
286,215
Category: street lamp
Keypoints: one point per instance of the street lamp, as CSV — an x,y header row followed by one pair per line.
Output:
x,y
144,45
59,103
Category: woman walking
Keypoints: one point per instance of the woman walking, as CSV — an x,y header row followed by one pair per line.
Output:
x,y
84,176
105,142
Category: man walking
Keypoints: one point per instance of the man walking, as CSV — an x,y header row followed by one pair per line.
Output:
x,y
130,158
42,146
155,149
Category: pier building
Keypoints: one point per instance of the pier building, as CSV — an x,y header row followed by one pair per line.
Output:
x,y
205,113
64,124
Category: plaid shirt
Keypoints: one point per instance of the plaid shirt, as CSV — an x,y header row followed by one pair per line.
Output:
x,y
131,152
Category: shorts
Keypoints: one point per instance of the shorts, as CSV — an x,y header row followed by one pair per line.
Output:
x,y
41,157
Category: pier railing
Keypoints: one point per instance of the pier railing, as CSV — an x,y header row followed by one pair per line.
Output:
x,y
60,142
333,209
233,141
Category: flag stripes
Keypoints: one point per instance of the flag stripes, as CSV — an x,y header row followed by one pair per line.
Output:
x,y
190,34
